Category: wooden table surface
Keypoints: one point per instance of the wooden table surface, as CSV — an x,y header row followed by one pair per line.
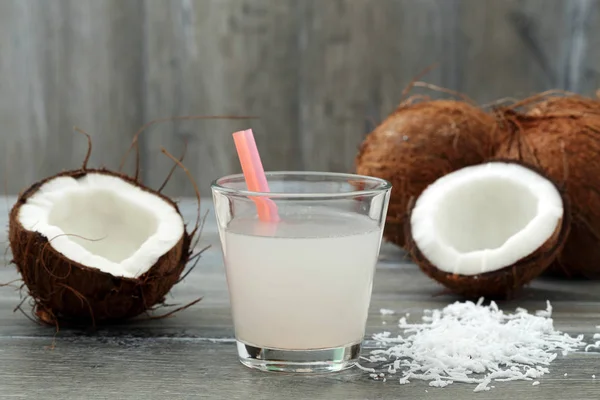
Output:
x,y
192,355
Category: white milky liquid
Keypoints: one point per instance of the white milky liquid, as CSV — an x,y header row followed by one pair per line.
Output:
x,y
306,285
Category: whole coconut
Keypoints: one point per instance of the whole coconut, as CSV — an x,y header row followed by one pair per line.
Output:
x,y
561,135
419,143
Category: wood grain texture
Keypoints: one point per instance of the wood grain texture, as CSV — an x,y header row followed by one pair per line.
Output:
x,y
104,368
63,64
318,74
519,50
192,355
335,39
412,37
515,46
366,53
220,57
582,58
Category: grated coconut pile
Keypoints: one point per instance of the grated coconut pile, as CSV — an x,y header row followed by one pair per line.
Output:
x,y
471,343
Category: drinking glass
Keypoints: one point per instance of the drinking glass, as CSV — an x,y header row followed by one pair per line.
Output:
x,y
300,287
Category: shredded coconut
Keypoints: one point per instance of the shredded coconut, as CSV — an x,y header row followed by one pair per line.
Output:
x,y
545,313
596,344
472,343
386,311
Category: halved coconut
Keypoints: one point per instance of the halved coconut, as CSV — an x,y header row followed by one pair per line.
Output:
x,y
488,229
96,245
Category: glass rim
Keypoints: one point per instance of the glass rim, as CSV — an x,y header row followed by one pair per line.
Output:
x,y
383,185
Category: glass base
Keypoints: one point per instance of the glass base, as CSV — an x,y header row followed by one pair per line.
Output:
x,y
299,361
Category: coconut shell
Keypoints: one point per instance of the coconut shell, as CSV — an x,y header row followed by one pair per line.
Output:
x,y
66,290
562,137
419,143
503,283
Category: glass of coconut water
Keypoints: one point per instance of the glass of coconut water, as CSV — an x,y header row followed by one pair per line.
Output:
x,y
300,284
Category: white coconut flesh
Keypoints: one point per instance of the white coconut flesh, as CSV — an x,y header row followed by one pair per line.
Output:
x,y
485,217
103,222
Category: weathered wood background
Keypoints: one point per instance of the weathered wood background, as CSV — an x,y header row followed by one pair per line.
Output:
x,y
318,73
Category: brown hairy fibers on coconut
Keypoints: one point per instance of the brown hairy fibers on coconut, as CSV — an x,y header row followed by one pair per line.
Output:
x,y
419,143
561,135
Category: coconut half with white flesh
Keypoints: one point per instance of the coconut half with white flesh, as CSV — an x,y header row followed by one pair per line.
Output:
x,y
488,229
96,245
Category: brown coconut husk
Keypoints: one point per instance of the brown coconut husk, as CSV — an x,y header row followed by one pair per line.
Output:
x,y
561,135
504,283
569,106
420,142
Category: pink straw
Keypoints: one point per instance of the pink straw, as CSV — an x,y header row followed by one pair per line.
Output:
x,y
254,174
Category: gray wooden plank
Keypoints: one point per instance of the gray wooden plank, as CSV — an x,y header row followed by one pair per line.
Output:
x,y
95,368
315,72
408,38
65,63
512,48
582,58
234,57
334,40
366,53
